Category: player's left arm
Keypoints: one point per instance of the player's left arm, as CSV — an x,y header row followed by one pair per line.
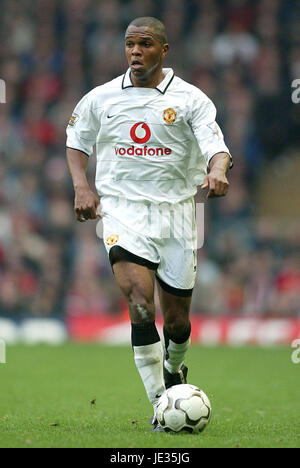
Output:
x,y
216,180
212,146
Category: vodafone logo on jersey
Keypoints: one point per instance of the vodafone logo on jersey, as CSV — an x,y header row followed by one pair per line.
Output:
x,y
137,131
140,133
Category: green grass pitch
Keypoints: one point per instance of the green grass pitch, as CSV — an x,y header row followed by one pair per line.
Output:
x,y
81,395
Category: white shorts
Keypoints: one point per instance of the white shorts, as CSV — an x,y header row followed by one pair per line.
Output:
x,y
161,237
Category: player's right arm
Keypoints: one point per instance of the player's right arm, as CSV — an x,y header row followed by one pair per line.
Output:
x,y
86,203
82,133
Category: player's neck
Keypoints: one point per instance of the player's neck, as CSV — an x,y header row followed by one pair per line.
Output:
x,y
148,81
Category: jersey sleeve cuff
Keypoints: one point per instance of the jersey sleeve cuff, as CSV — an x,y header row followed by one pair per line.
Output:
x,y
78,149
220,151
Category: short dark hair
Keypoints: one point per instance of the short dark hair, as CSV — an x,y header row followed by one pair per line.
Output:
x,y
155,24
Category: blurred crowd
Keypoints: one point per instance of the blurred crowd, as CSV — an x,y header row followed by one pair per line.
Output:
x,y
243,54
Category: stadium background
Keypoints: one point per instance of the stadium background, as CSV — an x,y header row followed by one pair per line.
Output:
x,y
54,271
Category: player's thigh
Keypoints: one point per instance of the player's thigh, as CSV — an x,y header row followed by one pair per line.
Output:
x,y
137,284
175,310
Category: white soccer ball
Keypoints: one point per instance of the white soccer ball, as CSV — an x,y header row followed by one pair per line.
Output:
x,y
183,407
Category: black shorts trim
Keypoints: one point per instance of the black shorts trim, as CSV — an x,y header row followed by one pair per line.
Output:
x,y
117,253
175,291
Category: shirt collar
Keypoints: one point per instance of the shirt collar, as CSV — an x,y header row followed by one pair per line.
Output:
x,y
162,87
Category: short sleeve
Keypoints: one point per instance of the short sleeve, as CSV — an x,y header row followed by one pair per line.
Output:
x,y
206,130
83,127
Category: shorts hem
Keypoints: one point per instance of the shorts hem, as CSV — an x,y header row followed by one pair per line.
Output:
x,y
175,291
123,254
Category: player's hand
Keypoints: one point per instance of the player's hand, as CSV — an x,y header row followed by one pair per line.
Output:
x,y
216,182
86,205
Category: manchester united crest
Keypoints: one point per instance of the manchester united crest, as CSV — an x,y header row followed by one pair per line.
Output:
x,y
112,239
170,115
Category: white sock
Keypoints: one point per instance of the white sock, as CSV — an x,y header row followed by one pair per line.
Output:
x,y
176,353
149,362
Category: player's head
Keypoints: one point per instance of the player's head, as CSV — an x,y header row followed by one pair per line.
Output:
x,y
157,28
146,46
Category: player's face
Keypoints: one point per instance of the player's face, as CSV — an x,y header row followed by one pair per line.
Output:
x,y
144,52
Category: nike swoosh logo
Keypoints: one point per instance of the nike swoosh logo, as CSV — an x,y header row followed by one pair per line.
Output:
x,y
110,116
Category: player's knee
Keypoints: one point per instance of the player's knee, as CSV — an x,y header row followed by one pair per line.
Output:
x,y
137,295
140,304
176,325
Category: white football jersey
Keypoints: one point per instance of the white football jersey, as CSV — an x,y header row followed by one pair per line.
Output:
x,y
151,144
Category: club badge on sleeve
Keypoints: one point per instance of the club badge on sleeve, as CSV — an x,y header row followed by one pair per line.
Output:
x,y
73,120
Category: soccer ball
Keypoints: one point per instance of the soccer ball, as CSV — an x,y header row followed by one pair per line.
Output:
x,y
183,407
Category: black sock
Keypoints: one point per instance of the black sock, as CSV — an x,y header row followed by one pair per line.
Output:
x,y
144,333
184,337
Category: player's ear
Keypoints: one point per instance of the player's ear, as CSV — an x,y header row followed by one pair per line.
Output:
x,y
165,49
